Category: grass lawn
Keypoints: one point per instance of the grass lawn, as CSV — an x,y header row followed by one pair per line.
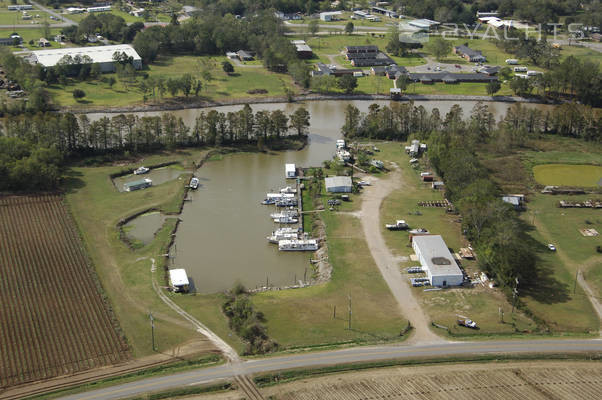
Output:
x,y
583,53
305,317
220,87
32,34
550,302
125,274
463,88
16,17
568,175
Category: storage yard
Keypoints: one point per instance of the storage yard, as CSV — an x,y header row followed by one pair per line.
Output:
x,y
54,320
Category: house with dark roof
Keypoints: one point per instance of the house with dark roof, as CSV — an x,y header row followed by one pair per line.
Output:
x,y
469,54
489,70
361,49
395,71
378,70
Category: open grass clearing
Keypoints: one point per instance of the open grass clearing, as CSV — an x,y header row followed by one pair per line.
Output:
x,y
125,274
220,87
305,317
568,174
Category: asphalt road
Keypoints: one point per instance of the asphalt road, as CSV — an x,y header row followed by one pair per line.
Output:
x,y
350,355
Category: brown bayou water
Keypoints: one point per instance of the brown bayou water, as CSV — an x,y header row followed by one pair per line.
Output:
x,y
222,237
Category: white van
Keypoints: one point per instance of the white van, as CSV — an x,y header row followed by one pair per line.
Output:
x,y
520,69
512,61
533,73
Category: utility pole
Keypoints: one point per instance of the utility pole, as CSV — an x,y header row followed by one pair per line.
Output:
x,y
575,287
349,324
334,312
152,321
514,294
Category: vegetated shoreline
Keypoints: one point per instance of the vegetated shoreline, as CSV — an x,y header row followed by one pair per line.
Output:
x,y
175,105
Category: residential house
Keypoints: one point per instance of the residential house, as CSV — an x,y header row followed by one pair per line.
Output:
x,y
469,54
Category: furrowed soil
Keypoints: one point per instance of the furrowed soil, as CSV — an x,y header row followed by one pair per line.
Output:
x,y
54,320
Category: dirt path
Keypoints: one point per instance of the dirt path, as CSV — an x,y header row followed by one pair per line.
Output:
x,y
387,262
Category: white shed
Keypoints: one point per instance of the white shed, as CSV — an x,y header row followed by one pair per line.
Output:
x,y
178,280
435,258
290,171
338,184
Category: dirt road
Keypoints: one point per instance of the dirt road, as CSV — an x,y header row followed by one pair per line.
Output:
x,y
387,263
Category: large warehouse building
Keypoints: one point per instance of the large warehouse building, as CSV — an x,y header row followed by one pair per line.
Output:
x,y
437,261
338,184
102,55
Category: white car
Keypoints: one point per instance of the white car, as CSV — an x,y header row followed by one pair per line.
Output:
x,y
364,183
551,247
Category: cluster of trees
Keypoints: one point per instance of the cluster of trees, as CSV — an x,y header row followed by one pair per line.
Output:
x,y
73,136
108,25
539,52
519,125
571,77
27,166
29,78
326,83
247,322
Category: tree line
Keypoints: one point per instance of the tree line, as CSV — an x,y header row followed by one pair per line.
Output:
x,y
33,149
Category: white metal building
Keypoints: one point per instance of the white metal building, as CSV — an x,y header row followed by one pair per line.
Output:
x,y
338,184
329,15
102,55
437,261
290,171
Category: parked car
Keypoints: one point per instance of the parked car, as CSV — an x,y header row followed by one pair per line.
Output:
x,y
364,183
551,247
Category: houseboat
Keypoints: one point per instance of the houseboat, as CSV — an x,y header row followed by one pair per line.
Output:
x,y
286,220
298,245
178,280
194,183
285,213
288,189
137,185
286,203
141,171
276,236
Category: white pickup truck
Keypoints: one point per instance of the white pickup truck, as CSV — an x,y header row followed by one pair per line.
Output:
x,y
397,226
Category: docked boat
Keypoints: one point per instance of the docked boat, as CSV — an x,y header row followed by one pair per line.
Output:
x,y
288,189
277,237
285,213
194,183
280,196
286,220
298,245
268,201
286,203
141,171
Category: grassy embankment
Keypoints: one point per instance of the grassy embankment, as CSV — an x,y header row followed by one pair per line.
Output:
x,y
125,274
480,303
556,301
220,87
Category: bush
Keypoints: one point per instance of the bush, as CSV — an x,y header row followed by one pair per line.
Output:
x,y
79,94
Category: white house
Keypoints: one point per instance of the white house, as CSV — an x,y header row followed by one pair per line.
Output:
x,y
437,261
338,184
329,15
102,55
290,171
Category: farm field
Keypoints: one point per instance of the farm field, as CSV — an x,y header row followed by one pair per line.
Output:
x,y
568,174
513,380
54,320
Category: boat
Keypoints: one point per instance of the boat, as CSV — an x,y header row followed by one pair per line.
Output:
x,y
285,213
280,196
141,171
288,189
268,201
298,245
277,236
194,183
286,220
419,231
286,203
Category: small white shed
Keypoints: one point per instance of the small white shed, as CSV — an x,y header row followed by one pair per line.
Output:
x,y
290,171
178,280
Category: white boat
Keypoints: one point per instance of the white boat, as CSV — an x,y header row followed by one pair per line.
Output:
x,y
286,203
280,196
399,225
141,171
277,237
194,183
285,213
286,220
298,245
288,189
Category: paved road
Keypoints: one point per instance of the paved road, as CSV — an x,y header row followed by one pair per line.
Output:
x,y
358,354
342,27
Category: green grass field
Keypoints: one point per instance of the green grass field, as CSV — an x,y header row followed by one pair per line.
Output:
x,y
479,303
16,17
125,274
220,87
305,317
568,174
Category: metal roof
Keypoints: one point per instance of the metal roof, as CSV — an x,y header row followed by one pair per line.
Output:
x,y
98,54
337,181
436,255
178,277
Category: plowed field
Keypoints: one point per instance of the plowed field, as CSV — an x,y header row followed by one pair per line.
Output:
x,y
53,320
